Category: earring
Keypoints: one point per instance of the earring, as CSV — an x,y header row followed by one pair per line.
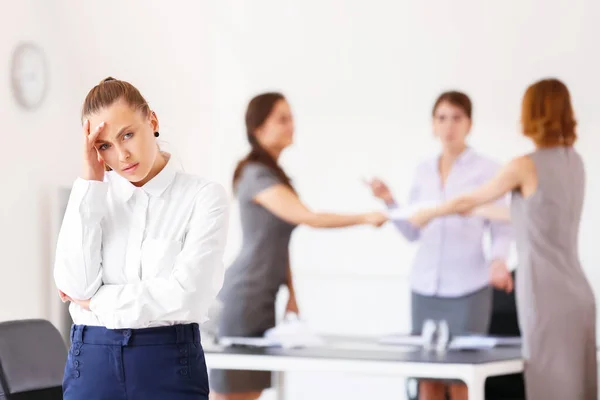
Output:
x,y
156,134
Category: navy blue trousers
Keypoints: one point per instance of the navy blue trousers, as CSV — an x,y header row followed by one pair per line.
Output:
x,y
165,363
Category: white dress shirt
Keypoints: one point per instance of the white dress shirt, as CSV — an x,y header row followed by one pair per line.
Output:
x,y
148,256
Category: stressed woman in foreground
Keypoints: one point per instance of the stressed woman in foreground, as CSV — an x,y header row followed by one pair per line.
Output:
x,y
139,257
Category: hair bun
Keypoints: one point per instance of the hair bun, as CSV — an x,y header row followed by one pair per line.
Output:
x,y
110,78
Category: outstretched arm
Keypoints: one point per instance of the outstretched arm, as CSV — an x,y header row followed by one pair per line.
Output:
x,y
509,178
493,212
285,204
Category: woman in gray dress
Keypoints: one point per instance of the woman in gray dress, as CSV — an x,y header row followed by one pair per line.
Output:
x,y
269,210
555,302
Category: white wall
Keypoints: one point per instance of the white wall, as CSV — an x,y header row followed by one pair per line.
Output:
x,y
35,158
361,79
164,49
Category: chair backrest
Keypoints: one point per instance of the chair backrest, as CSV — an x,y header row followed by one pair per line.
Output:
x,y
32,357
504,322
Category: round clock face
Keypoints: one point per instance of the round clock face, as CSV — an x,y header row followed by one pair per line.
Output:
x,y
28,75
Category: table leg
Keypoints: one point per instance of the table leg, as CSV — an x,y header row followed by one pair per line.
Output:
x,y
476,385
280,387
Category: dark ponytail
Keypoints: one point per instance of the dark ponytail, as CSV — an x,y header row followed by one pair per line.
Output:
x,y
259,109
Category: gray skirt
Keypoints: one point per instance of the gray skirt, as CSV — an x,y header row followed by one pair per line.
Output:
x,y
249,317
465,314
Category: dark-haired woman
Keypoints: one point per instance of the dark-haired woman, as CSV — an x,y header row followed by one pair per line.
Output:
x,y
451,273
270,210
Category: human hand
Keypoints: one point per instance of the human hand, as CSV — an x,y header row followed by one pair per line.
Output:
x,y
500,276
375,218
292,306
85,304
63,297
380,190
93,164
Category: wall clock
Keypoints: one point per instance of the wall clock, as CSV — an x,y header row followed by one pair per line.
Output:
x,y
29,75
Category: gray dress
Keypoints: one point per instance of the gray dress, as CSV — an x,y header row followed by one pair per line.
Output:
x,y
556,305
253,280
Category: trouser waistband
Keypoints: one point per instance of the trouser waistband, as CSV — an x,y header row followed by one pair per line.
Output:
x,y
175,334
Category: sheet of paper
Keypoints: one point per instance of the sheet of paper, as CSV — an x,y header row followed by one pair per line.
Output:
x,y
475,342
405,212
294,333
291,333
483,342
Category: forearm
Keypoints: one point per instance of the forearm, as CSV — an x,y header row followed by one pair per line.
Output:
x,y
459,205
177,298
78,259
138,304
77,267
493,212
290,281
328,220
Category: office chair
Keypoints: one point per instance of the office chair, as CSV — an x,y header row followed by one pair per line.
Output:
x,y
32,360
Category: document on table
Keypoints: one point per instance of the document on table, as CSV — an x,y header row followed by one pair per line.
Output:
x,y
468,342
476,342
291,333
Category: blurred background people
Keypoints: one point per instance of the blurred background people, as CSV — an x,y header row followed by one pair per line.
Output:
x,y
451,273
555,302
270,209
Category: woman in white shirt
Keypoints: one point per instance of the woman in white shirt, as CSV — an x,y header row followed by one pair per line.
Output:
x,y
139,256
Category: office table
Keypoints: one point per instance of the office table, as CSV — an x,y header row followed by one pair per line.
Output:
x,y
365,355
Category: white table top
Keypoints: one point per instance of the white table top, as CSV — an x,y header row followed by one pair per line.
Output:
x,y
366,355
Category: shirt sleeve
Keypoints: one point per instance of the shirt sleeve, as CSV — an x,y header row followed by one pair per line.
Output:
x,y
408,230
256,178
78,259
197,275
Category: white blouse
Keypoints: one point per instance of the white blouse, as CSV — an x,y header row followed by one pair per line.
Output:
x,y
149,256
